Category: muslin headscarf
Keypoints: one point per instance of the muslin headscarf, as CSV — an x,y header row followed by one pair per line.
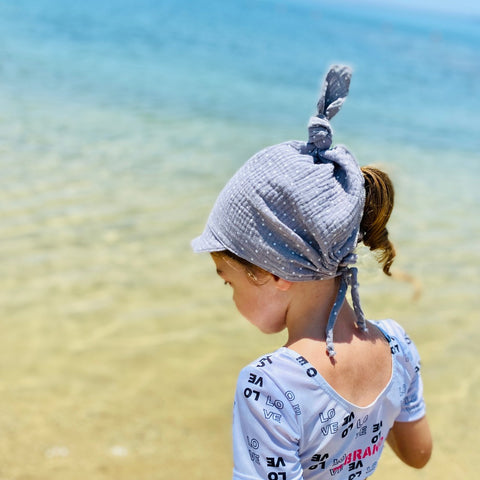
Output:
x,y
295,208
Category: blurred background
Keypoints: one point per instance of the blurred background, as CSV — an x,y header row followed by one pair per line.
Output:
x,y
120,121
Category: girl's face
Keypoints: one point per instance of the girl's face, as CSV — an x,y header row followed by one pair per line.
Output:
x,y
264,304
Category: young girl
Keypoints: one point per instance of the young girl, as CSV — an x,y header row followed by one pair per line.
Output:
x,y
282,234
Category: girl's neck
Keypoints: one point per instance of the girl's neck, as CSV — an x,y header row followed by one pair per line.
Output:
x,y
310,308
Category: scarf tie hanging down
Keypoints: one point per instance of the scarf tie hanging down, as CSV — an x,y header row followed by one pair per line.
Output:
x,y
348,278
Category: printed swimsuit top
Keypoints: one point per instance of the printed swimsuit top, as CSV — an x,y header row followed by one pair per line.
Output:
x,y
290,424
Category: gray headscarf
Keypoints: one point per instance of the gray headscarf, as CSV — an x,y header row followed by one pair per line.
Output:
x,y
295,208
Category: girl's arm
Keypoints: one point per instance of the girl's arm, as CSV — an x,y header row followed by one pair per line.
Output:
x,y
411,441
265,438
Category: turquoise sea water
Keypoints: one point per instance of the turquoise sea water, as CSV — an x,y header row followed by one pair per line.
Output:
x,y
121,120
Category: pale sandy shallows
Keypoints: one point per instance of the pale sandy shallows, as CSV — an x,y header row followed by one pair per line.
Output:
x,y
120,349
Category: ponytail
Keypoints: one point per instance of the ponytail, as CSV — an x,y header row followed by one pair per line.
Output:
x,y
379,196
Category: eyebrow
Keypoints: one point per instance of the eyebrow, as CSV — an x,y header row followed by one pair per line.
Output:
x,y
219,272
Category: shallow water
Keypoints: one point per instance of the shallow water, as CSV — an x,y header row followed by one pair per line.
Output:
x,y
120,348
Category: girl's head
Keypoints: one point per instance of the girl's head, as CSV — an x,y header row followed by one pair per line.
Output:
x,y
296,209
379,202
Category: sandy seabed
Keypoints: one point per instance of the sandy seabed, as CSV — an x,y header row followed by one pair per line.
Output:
x,y
120,348
141,387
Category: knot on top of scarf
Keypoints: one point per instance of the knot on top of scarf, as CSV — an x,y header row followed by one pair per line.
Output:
x,y
320,133
333,94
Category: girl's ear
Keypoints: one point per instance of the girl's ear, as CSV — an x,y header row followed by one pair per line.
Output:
x,y
281,284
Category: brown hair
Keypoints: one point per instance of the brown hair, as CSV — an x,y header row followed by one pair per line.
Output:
x,y
378,207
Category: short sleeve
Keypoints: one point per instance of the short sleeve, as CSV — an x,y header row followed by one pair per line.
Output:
x,y
265,430
413,404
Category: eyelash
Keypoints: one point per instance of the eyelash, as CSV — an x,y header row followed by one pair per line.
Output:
x,y
226,283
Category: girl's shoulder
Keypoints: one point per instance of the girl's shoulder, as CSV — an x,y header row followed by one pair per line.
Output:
x,y
268,363
280,369
390,328
401,345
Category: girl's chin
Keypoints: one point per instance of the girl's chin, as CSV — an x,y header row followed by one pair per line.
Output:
x,y
269,329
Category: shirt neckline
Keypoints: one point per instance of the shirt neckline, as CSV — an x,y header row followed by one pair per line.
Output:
x,y
320,380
